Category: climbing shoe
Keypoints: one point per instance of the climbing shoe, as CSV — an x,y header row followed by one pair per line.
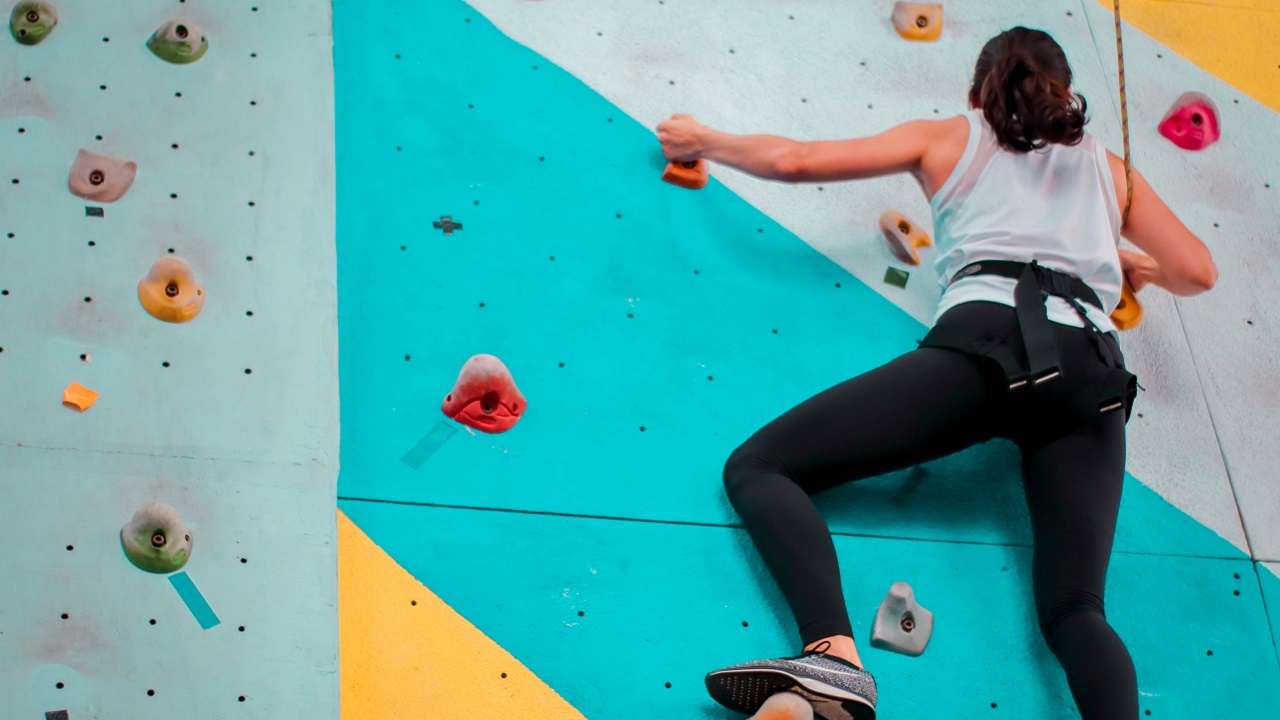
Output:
x,y
837,689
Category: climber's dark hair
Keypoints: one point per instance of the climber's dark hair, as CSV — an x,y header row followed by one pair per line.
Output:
x,y
1022,82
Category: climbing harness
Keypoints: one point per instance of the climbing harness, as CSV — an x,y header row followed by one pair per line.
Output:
x,y
1033,360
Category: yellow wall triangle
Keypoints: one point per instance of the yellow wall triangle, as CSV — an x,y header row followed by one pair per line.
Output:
x,y
423,660
1233,39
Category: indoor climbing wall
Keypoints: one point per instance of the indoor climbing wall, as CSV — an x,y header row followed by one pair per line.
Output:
x,y
498,194
166,243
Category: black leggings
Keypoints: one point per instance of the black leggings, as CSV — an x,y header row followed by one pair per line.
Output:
x,y
922,406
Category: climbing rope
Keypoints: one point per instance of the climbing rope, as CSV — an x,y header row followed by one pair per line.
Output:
x,y
1124,121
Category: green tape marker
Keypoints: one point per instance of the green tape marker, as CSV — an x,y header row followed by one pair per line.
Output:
x,y
195,601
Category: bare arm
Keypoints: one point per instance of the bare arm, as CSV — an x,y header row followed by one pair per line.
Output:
x,y
899,149
1185,266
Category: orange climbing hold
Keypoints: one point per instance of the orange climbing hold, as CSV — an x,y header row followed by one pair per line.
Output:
x,y
1128,314
485,396
170,291
691,174
903,237
918,21
79,397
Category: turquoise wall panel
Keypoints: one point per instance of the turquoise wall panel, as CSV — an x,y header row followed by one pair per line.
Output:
x,y
638,319
609,612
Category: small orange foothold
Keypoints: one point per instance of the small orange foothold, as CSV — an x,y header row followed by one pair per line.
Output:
x,y
170,291
1128,314
918,21
79,397
903,237
691,175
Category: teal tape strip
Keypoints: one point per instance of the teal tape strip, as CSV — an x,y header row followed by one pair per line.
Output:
x,y
427,446
195,601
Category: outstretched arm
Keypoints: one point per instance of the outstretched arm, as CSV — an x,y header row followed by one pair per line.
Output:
x,y
899,149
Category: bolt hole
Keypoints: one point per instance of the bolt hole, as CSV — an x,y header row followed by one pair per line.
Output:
x,y
96,177
922,21
667,685
1197,119
904,227
59,685
171,289
489,401
70,548
158,539
164,364
582,613
151,693
32,17
182,31
152,621
66,616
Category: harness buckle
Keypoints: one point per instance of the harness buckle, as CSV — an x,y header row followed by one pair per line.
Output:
x,y
1052,373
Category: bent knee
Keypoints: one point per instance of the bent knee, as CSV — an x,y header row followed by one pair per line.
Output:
x,y
743,468
1068,608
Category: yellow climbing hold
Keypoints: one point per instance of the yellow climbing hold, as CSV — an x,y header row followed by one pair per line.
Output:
x,y
918,21
1128,314
170,291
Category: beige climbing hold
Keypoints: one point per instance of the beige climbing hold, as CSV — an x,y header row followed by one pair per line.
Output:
x,y
170,291
79,397
903,237
101,178
918,21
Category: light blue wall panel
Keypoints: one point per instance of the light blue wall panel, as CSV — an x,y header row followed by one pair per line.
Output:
x,y
249,460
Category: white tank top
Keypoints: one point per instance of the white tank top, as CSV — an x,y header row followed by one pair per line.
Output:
x,y
1056,205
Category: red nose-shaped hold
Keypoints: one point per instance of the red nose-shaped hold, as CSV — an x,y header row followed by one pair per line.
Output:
x,y
1192,122
485,396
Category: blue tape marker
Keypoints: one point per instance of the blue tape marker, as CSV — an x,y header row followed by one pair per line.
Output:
x,y
429,444
195,601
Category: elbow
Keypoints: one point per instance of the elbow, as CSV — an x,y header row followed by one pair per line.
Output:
x,y
1208,277
790,165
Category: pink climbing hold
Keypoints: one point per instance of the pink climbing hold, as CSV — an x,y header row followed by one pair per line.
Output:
x,y
485,396
1192,122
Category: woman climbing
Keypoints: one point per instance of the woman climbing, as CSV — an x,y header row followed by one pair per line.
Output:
x,y
1027,217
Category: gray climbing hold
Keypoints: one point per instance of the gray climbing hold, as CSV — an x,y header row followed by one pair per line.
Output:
x,y
902,624
784,706
156,540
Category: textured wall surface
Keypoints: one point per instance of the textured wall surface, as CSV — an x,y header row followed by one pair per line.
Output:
x,y
652,329
231,418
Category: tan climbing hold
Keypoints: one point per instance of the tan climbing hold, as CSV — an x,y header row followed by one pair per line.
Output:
x,y
101,178
79,397
692,174
918,21
903,237
170,291
1128,314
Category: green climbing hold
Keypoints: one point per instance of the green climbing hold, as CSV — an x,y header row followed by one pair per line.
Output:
x,y
156,540
178,41
32,21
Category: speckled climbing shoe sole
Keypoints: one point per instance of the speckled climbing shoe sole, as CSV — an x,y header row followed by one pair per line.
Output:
x,y
745,688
